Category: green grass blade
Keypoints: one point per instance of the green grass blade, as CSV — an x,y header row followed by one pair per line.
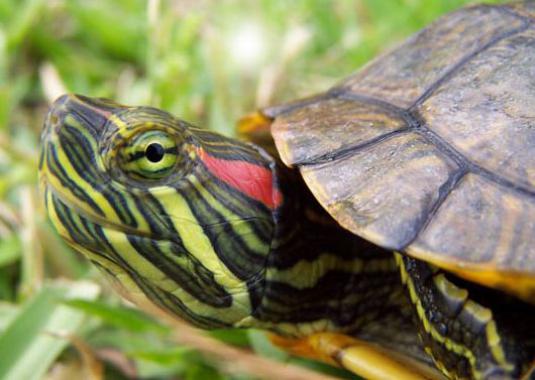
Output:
x,y
10,250
29,345
123,317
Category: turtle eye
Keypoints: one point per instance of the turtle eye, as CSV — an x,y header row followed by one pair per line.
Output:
x,y
155,152
149,155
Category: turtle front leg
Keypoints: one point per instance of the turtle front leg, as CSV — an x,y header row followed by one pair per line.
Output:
x,y
462,336
357,356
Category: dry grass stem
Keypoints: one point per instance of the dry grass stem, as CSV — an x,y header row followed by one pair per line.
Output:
x,y
51,82
294,42
8,215
32,251
91,367
233,360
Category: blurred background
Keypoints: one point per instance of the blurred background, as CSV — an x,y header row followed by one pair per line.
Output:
x,y
208,61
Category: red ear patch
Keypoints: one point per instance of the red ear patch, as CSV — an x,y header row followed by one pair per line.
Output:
x,y
253,180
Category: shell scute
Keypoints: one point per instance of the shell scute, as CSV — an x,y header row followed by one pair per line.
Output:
x,y
404,74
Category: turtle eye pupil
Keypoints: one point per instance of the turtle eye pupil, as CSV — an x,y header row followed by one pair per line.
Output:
x,y
154,152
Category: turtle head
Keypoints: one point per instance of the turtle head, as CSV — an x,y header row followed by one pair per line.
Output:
x,y
177,214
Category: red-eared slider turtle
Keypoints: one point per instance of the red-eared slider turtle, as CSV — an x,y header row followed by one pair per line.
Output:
x,y
424,162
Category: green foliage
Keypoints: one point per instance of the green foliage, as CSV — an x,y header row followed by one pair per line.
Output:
x,y
184,56
33,339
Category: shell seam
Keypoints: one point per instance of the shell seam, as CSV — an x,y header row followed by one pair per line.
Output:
x,y
453,70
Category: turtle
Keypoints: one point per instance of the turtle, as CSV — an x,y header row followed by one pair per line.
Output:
x,y
386,225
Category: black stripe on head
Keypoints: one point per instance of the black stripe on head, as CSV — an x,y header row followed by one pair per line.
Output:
x,y
193,278
227,148
239,204
242,260
83,160
56,169
84,233
173,305
94,113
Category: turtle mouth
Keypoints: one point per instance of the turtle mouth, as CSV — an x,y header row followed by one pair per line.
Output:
x,y
75,207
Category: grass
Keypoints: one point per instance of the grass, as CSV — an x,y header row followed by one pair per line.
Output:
x,y
209,62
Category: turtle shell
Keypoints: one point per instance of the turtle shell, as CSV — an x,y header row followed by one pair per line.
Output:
x,y
430,148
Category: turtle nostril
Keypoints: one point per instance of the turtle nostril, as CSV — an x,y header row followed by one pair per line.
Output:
x,y
57,113
53,122
54,119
